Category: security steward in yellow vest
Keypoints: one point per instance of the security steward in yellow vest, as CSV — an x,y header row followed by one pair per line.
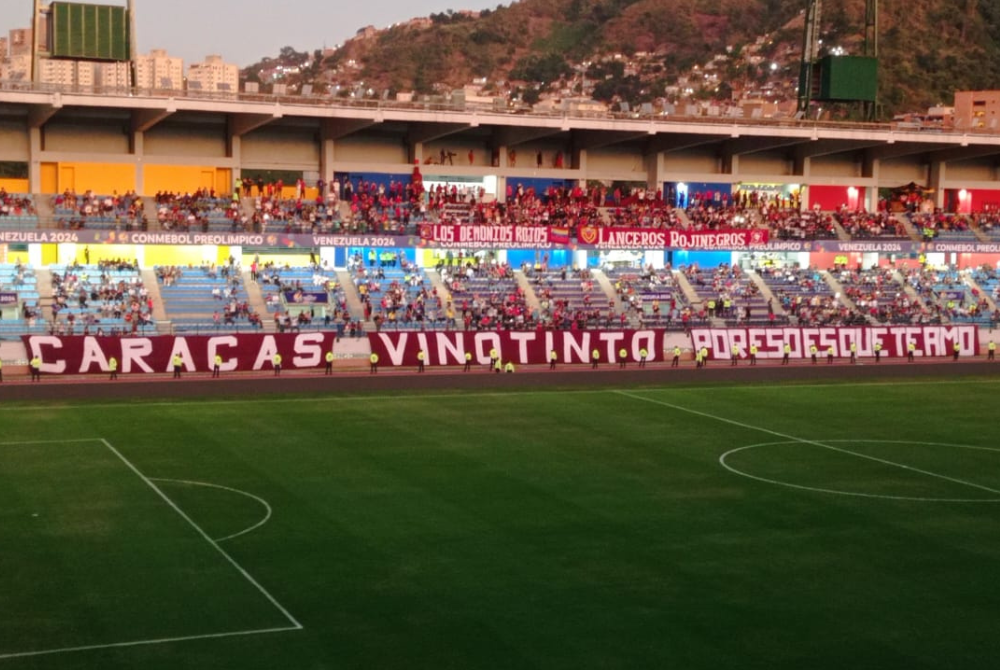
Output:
x,y
704,357
735,355
595,358
622,358
177,362
854,352
991,352
553,359
217,366
113,368
498,366
468,361
509,368
373,362
788,352
276,360
753,354
829,355
643,355
878,351
956,349
421,357
676,361
911,348
329,363
813,351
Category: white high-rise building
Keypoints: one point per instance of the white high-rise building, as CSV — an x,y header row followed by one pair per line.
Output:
x,y
214,75
159,70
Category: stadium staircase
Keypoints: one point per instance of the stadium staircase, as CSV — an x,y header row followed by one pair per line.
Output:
x,y
354,306
904,218
682,216
974,285
609,289
43,283
46,213
159,315
767,294
909,290
690,295
842,234
438,284
838,290
981,236
257,303
530,297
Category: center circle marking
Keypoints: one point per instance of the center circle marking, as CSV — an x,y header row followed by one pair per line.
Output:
x,y
857,494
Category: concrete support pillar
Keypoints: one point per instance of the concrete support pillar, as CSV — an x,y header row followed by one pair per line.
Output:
x,y
655,172
870,170
937,178
138,151
327,152
35,160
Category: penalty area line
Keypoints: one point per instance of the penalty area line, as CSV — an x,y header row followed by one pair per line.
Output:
x,y
140,643
214,543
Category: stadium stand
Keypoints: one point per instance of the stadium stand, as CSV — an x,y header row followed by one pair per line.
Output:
x,y
206,299
104,299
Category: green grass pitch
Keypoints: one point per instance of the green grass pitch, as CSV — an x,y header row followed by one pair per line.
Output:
x,y
778,526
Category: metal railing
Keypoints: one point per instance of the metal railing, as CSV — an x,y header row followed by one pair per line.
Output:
x,y
465,108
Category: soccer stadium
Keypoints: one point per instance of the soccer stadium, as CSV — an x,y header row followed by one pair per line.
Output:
x,y
288,381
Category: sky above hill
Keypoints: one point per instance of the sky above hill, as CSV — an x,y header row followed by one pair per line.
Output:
x,y
244,31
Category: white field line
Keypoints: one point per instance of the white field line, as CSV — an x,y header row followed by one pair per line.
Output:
x,y
139,643
38,442
792,438
324,396
267,508
201,531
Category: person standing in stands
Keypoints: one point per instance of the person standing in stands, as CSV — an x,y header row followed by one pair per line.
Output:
x,y
373,361
329,363
553,358
113,367
217,366
276,361
421,357
177,362
622,358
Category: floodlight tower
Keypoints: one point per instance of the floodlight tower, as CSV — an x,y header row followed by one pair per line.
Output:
x,y
839,78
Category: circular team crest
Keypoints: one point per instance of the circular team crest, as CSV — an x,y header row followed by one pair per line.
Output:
x,y
588,235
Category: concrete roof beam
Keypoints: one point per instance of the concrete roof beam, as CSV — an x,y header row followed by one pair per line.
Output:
x,y
241,124
144,119
429,132
335,129
39,115
512,136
